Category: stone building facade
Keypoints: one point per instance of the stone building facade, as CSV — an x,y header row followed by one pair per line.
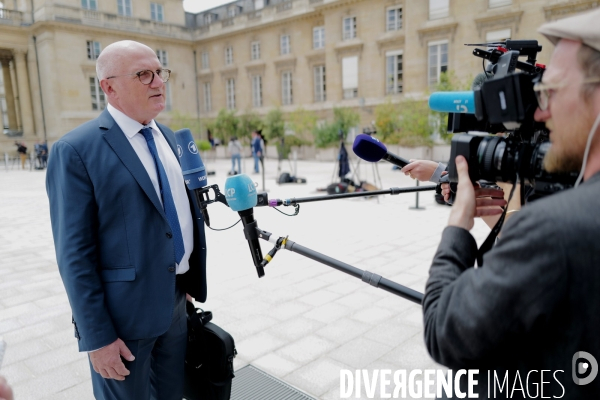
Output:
x,y
249,54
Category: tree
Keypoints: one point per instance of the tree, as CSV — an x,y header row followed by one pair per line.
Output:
x,y
326,135
387,122
226,125
181,121
414,125
250,121
274,125
345,118
303,123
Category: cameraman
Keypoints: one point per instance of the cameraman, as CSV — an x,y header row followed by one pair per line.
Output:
x,y
535,304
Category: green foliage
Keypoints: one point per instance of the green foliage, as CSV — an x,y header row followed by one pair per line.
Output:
x,y
203,145
345,118
303,123
226,125
289,141
181,121
414,128
326,135
249,122
387,122
274,125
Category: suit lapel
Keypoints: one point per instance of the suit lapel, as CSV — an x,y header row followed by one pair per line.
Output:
x,y
170,138
122,148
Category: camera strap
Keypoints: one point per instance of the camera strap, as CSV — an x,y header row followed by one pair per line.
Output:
x,y
491,239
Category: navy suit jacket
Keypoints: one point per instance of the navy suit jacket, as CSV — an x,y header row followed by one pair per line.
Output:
x,y
112,238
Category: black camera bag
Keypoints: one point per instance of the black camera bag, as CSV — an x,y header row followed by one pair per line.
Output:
x,y
209,358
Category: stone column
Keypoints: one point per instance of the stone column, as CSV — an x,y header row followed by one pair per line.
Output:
x,y
9,95
24,96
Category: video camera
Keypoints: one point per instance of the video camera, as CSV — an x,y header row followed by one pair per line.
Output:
x,y
502,100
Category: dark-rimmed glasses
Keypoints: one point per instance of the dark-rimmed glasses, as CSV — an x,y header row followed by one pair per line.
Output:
x,y
147,76
544,91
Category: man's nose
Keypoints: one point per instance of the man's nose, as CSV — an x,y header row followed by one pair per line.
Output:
x,y
541,115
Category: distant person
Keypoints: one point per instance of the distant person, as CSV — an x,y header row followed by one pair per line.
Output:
x,y
40,152
22,150
257,149
44,146
235,150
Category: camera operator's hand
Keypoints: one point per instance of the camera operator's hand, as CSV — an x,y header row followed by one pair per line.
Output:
x,y
472,201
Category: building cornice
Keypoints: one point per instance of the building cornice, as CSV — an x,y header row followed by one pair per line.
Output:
x,y
437,29
495,20
562,10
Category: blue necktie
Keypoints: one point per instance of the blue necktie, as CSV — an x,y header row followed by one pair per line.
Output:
x,y
167,196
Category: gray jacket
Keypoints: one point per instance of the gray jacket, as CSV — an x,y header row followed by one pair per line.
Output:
x,y
534,303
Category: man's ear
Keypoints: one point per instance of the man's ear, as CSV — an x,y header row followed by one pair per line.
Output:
x,y
107,88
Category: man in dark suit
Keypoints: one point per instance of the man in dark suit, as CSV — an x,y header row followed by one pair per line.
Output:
x,y
528,319
129,243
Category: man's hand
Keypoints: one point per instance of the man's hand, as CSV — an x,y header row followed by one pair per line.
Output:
x,y
6,392
420,169
472,201
107,361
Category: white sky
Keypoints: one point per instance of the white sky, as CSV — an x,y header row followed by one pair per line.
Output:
x,y
195,6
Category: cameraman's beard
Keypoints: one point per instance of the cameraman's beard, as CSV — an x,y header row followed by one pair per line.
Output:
x,y
555,163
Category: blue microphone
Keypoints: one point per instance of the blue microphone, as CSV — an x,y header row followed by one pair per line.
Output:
x,y
241,196
370,149
194,172
453,102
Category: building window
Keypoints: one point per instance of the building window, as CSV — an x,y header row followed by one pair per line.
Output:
x,y
438,61
320,86
168,97
257,100
124,7
204,60
497,36
393,72
284,44
350,77
156,12
93,50
255,50
88,4
230,90
318,37
98,100
499,3
162,57
286,88
439,9
207,97
259,4
229,55
394,19
349,28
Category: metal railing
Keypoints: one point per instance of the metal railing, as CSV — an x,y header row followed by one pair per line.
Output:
x,y
11,17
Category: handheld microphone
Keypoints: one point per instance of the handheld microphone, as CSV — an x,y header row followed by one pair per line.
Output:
x,y
453,102
241,196
194,172
370,149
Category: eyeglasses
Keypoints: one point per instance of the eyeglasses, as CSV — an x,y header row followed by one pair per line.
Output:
x,y
544,91
147,77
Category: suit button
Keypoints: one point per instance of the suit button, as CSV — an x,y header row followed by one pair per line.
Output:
x,y
171,269
169,235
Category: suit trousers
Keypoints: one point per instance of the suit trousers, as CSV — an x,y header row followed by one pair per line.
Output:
x,y
157,373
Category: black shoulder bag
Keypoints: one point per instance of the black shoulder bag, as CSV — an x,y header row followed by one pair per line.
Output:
x,y
209,358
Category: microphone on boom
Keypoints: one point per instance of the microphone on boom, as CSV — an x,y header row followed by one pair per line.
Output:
x,y
194,172
453,102
241,196
370,149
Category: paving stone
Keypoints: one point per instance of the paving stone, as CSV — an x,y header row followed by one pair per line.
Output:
x,y
275,365
306,349
317,377
328,312
258,345
360,352
295,328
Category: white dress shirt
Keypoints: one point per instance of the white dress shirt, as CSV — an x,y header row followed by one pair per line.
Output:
x,y
131,128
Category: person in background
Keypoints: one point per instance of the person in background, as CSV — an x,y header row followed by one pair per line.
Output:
x,y
235,151
257,150
22,150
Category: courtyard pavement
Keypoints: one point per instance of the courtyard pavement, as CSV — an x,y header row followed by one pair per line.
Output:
x,y
303,322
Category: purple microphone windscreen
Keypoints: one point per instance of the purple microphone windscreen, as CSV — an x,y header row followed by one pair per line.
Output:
x,y
368,148
194,172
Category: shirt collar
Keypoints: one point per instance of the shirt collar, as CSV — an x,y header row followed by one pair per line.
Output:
x,y
128,125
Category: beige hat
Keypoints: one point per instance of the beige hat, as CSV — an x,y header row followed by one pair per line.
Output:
x,y
582,28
